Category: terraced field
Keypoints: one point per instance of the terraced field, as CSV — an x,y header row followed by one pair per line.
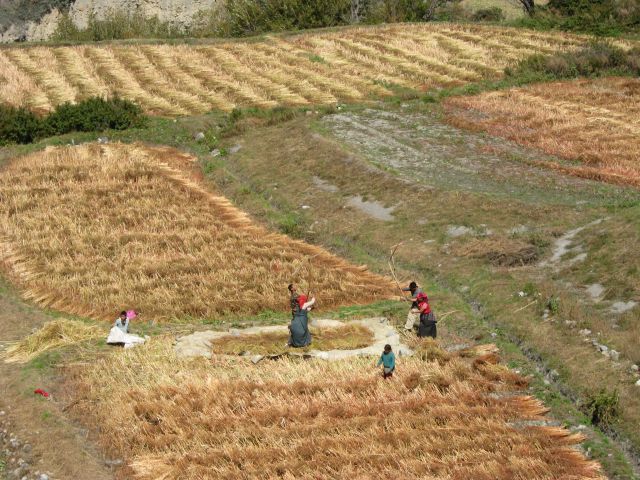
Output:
x,y
442,416
90,229
315,68
593,122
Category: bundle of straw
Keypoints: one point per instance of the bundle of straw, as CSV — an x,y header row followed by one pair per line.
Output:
x,y
53,334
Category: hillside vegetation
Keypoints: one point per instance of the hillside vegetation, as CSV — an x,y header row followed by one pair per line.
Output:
x,y
317,68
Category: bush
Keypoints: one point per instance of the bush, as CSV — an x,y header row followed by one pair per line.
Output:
x,y
493,14
597,17
19,125
603,407
94,114
118,25
250,17
599,58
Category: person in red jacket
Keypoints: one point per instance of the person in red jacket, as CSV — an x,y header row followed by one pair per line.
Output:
x,y
427,327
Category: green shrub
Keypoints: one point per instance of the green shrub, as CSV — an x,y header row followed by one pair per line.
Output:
x,y
492,14
94,114
597,59
250,17
391,11
603,407
597,17
553,304
19,125
118,25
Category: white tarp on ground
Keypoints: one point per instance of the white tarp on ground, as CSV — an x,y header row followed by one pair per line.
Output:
x,y
117,337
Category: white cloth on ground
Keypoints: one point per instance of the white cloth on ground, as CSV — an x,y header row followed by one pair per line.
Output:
x,y
117,336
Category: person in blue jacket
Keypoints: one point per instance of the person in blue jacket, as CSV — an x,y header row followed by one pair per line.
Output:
x,y
388,362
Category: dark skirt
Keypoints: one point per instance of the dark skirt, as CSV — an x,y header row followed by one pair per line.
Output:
x,y
299,328
427,327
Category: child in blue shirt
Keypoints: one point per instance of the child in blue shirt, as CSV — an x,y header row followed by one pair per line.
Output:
x,y
388,361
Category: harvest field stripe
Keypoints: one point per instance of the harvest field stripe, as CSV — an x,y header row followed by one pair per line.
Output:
x,y
396,69
341,69
465,57
77,70
164,57
148,74
242,72
442,72
198,65
262,64
315,72
47,70
356,62
22,61
496,52
18,88
491,44
124,83
295,79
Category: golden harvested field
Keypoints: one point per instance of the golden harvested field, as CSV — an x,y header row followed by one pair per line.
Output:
x,y
595,122
314,68
93,229
455,418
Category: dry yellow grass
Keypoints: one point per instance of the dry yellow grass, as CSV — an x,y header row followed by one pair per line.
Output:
x,y
596,122
310,68
54,334
93,229
455,418
347,337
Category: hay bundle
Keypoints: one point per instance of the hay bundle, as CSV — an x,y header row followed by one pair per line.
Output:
x,y
54,334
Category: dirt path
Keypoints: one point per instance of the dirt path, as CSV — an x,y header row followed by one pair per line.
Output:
x,y
38,432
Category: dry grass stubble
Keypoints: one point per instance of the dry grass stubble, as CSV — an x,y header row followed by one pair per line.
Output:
x,y
93,229
452,419
316,67
595,122
347,337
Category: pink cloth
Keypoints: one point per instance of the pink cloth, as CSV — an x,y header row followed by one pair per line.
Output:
x,y
131,314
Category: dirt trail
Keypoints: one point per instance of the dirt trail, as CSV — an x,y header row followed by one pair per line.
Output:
x,y
56,446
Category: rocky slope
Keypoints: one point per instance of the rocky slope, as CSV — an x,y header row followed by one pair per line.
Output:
x,y
22,20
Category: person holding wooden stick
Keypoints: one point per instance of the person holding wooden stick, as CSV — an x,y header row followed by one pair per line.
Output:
x,y
293,299
299,328
414,312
